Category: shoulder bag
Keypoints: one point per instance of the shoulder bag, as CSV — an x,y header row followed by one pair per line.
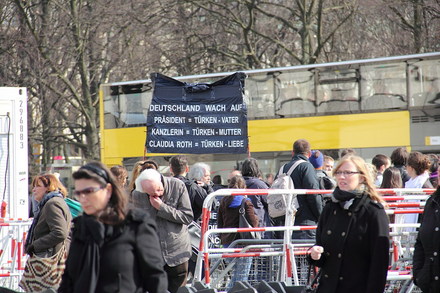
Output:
x,y
42,273
243,223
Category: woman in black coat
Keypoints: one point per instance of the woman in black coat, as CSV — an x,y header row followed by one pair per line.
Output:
x,y
426,263
112,249
352,238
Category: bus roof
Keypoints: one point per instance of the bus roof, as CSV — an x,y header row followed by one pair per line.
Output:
x,y
421,56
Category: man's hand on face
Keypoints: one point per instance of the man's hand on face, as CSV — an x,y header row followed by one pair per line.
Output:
x,y
155,191
155,201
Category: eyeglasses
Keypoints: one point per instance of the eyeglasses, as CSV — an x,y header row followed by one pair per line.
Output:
x,y
346,173
86,191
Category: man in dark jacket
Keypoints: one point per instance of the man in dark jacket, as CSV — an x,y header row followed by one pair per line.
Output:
x,y
304,177
179,167
197,191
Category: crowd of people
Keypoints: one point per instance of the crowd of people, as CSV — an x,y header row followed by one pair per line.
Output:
x,y
134,237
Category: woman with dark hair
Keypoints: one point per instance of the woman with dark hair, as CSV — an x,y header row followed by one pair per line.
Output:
x,y
113,249
252,174
228,217
228,211
352,238
399,158
48,233
426,261
391,178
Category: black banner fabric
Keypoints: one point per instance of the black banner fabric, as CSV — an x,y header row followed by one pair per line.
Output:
x,y
197,118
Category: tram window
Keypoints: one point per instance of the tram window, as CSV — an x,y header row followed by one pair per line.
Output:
x,y
425,83
111,119
383,87
338,91
126,110
296,94
261,91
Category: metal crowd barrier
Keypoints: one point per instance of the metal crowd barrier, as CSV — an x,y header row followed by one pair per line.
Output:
x,y
289,259
12,256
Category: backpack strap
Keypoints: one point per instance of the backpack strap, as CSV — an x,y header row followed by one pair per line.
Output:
x,y
294,166
281,170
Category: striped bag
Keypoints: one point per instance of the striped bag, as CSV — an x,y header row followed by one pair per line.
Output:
x,y
43,273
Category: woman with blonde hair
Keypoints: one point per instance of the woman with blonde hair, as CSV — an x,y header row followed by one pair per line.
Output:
x,y
49,230
352,238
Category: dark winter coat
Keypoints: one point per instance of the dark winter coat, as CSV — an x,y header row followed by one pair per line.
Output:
x,y
228,216
358,263
426,262
260,204
403,173
197,194
310,205
129,257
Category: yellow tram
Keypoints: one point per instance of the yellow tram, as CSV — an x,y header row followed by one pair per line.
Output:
x,y
372,106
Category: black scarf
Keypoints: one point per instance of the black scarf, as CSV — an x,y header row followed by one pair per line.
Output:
x,y
343,197
41,204
93,233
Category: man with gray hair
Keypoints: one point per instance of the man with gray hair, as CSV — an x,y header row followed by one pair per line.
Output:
x,y
200,179
167,200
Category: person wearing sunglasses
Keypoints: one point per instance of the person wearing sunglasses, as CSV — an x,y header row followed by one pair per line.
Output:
x,y
113,248
352,237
